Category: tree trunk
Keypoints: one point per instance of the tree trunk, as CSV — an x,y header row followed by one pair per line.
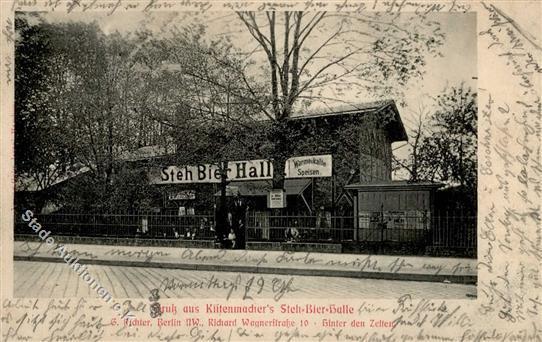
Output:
x,y
278,173
279,133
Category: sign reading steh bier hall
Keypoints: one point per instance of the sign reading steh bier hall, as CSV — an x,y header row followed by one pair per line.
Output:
x,y
210,173
259,169
309,166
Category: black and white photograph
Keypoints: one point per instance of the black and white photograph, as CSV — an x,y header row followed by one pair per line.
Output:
x,y
245,155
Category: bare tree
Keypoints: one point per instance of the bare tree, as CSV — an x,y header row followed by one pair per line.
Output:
x,y
418,130
322,57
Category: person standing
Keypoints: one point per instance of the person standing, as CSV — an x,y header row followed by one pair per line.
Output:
x,y
221,224
239,213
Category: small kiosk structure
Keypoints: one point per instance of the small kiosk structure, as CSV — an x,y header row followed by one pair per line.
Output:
x,y
395,211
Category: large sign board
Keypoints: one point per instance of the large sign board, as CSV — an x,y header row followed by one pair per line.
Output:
x,y
210,173
309,166
259,169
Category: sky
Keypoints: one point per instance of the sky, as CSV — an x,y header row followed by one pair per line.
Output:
x,y
457,65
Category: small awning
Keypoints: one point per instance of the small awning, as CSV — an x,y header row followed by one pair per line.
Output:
x,y
393,186
262,187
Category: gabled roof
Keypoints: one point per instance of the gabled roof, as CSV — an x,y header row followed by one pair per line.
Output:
x,y
347,108
29,184
146,152
395,129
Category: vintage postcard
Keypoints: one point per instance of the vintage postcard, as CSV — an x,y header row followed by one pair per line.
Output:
x,y
270,171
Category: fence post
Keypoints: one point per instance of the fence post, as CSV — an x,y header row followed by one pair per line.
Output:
x,y
246,229
381,224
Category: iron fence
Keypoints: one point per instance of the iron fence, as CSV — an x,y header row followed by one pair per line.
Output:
x,y
439,231
454,229
144,225
262,226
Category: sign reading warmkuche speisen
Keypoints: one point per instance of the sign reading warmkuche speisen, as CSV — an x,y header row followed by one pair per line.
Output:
x,y
259,169
310,166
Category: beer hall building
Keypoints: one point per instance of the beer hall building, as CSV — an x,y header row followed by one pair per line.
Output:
x,y
338,184
338,189
349,145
